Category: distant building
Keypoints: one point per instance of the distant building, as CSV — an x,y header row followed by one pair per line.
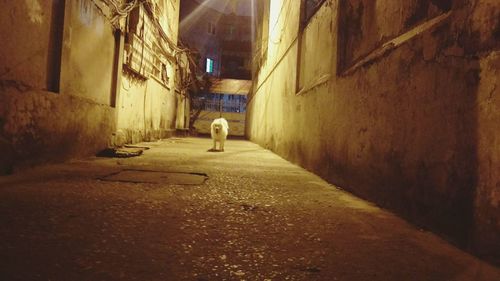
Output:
x,y
222,41
236,46
198,30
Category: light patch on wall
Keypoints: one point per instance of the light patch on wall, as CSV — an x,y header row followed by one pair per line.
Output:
x,y
274,12
86,11
99,25
90,17
35,11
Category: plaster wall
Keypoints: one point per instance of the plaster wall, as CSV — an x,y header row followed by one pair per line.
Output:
x,y
487,201
411,126
24,54
147,110
88,53
61,78
51,108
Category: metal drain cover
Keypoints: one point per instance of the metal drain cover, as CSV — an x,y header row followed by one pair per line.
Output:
x,y
159,177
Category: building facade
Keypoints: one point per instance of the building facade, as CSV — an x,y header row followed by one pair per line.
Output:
x,y
221,40
78,76
236,46
199,30
395,102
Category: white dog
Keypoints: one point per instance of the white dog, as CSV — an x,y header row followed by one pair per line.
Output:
x,y
219,130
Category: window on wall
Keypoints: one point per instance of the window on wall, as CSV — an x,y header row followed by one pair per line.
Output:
x,y
314,54
361,36
310,7
209,65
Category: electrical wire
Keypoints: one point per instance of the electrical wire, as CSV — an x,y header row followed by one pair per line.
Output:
x,y
168,48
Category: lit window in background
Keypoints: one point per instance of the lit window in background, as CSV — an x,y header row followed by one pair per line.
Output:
x,y
210,65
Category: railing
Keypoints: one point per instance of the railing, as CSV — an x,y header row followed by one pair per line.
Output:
x,y
220,105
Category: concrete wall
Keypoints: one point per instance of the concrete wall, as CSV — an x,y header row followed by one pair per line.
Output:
x,y
61,78
485,28
54,97
397,107
146,106
147,110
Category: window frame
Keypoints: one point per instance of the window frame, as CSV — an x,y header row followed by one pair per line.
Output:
x,y
209,65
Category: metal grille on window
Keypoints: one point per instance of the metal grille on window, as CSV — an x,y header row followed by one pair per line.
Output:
x,y
143,51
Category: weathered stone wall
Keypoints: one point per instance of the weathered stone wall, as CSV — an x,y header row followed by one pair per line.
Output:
x,y
43,126
367,24
30,42
61,78
408,115
88,53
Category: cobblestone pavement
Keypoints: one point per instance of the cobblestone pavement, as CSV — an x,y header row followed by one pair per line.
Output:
x,y
256,217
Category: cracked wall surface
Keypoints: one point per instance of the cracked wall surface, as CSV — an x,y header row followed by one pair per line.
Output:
x,y
50,109
413,125
147,107
60,84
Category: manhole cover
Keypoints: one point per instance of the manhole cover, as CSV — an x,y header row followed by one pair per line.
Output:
x,y
160,177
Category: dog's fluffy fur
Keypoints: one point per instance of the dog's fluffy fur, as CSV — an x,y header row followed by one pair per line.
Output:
x,y
219,130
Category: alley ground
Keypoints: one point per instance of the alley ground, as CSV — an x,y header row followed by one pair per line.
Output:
x,y
254,216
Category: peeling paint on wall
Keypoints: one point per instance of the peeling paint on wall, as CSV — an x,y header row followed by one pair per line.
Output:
x,y
35,11
37,126
415,130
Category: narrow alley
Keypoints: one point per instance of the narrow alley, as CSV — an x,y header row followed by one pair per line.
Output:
x,y
363,140
251,216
